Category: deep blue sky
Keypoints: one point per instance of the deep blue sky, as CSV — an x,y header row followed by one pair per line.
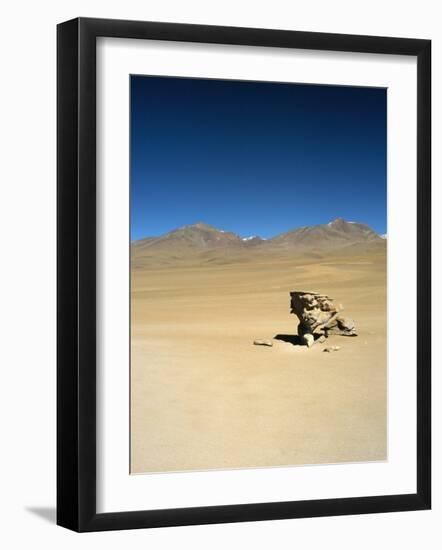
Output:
x,y
254,157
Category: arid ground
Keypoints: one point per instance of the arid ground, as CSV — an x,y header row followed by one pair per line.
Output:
x,y
204,397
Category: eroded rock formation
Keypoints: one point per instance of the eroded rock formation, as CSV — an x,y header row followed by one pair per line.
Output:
x,y
319,316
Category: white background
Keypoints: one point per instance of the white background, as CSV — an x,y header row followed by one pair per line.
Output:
x,y
117,490
27,218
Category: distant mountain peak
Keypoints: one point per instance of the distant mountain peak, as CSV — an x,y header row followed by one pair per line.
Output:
x,y
202,237
338,222
196,236
202,225
333,234
252,241
198,225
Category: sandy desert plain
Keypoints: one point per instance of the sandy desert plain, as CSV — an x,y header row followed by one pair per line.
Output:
x,y
204,397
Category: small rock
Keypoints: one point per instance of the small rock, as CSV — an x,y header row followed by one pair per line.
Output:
x,y
263,343
332,348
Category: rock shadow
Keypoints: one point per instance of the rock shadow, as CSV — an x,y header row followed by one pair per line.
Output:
x,y
293,339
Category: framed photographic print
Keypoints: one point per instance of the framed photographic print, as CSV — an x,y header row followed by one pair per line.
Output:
x,y
243,274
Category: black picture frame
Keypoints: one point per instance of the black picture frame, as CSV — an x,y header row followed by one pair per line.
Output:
x,y
76,274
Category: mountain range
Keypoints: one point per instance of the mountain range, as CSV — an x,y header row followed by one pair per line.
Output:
x,y
338,232
200,238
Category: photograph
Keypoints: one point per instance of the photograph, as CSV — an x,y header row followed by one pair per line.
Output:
x,y
258,274
218,259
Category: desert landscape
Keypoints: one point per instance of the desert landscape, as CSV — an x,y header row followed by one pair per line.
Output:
x,y
203,396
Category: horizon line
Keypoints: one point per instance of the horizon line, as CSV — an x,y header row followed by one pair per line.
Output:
x,y
200,222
